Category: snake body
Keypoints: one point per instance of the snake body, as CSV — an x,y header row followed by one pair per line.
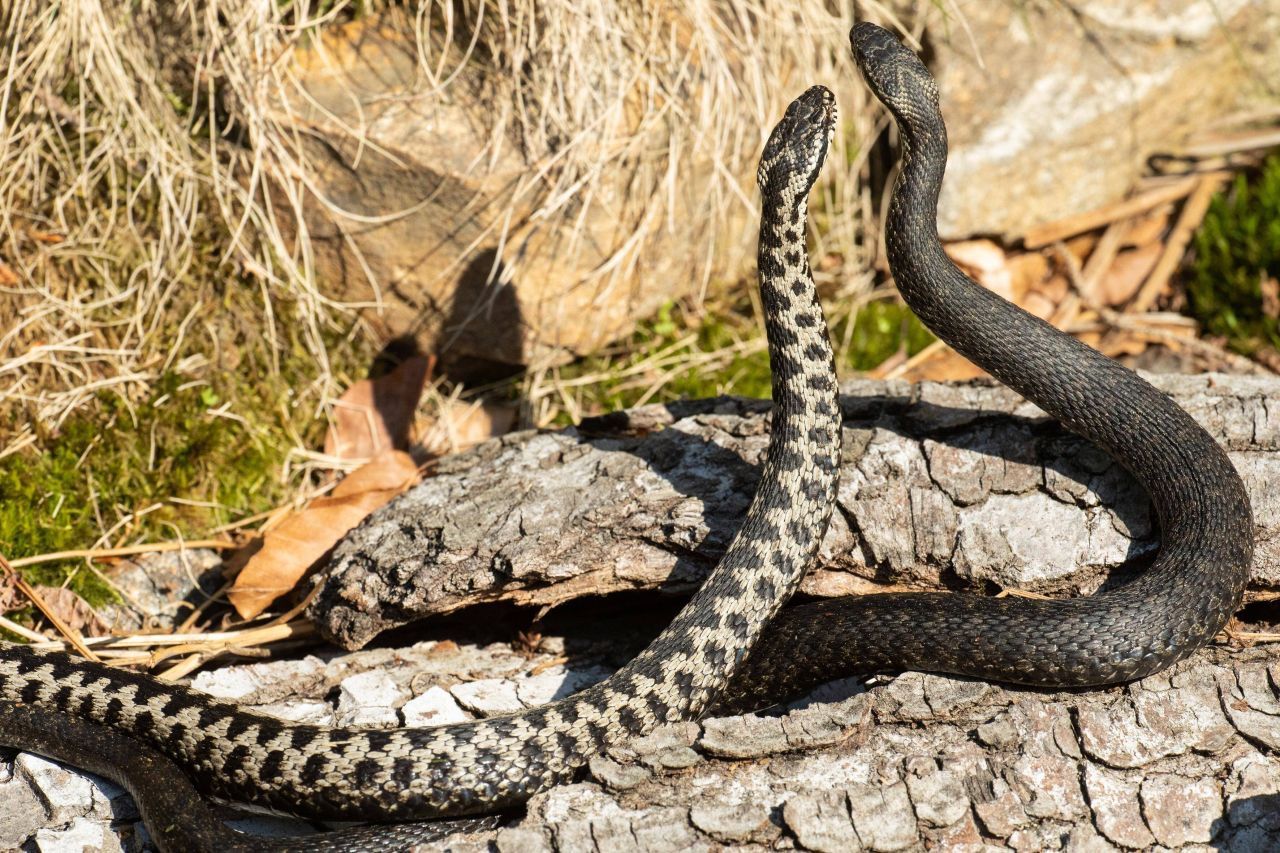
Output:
x,y
417,773
1196,581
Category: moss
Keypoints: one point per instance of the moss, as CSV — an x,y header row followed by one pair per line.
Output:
x,y
1237,249
880,329
723,352
135,457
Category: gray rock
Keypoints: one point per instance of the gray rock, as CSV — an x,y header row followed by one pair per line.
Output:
x,y
729,822
79,834
1040,99
22,812
618,777
435,707
1113,797
882,816
488,697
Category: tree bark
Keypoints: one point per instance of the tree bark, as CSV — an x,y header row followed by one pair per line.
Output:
x,y
942,486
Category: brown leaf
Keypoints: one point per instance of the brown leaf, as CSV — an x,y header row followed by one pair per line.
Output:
x,y
1128,271
72,609
984,260
948,365
304,537
374,415
462,425
8,277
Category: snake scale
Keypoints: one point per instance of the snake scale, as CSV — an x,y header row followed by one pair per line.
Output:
x,y
1178,604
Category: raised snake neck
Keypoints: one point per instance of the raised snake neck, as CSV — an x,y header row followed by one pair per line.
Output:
x,y
416,773
1176,606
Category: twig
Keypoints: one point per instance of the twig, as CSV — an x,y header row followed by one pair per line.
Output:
x,y
1134,325
1176,245
1052,232
23,631
72,635
128,551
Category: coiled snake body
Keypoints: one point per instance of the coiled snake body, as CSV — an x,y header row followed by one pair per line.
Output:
x,y
1206,548
410,774
1183,600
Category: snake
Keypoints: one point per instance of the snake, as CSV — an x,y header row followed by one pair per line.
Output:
x,y
1182,600
1178,604
50,702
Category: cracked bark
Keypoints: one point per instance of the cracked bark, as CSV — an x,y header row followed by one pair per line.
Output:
x,y
1177,761
941,486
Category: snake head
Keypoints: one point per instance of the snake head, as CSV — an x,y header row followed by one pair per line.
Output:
x,y
896,75
796,149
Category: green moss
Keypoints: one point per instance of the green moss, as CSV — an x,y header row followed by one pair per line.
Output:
x,y
126,457
722,352
880,328
1236,249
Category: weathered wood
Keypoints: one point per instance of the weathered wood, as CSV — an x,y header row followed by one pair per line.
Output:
x,y
956,486
1180,760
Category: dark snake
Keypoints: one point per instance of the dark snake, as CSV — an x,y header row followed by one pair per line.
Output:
x,y
1177,605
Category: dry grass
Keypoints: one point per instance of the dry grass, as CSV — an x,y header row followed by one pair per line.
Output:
x,y
136,140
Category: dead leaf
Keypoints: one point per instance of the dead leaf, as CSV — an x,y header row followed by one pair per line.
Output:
x,y
985,262
1029,272
8,278
1150,227
1043,299
461,425
374,415
947,365
306,536
1127,273
73,610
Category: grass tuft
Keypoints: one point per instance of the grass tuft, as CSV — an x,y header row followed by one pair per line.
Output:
x,y
1234,285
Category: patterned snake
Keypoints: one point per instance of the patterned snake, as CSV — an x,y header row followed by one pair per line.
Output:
x,y
1181,602
416,773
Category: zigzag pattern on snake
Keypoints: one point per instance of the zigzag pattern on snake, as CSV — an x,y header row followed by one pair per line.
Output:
x,y
403,774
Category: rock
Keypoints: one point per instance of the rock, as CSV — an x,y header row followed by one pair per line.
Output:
x,y
66,794
519,840
729,822
938,794
882,816
158,589
821,821
1180,810
557,683
80,835
1041,101
369,699
1116,810
22,812
490,222
618,777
